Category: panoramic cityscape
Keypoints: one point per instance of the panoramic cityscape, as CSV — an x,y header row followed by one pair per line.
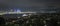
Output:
x,y
29,12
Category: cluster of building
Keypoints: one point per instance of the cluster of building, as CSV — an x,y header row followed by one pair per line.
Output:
x,y
41,19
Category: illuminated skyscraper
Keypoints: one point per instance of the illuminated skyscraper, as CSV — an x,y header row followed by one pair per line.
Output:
x,y
17,10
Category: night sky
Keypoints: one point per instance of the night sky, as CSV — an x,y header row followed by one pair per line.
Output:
x,y
31,5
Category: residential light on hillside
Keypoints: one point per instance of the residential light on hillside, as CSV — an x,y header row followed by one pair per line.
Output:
x,y
24,15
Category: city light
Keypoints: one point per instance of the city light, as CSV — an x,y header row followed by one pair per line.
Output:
x,y
24,15
17,10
